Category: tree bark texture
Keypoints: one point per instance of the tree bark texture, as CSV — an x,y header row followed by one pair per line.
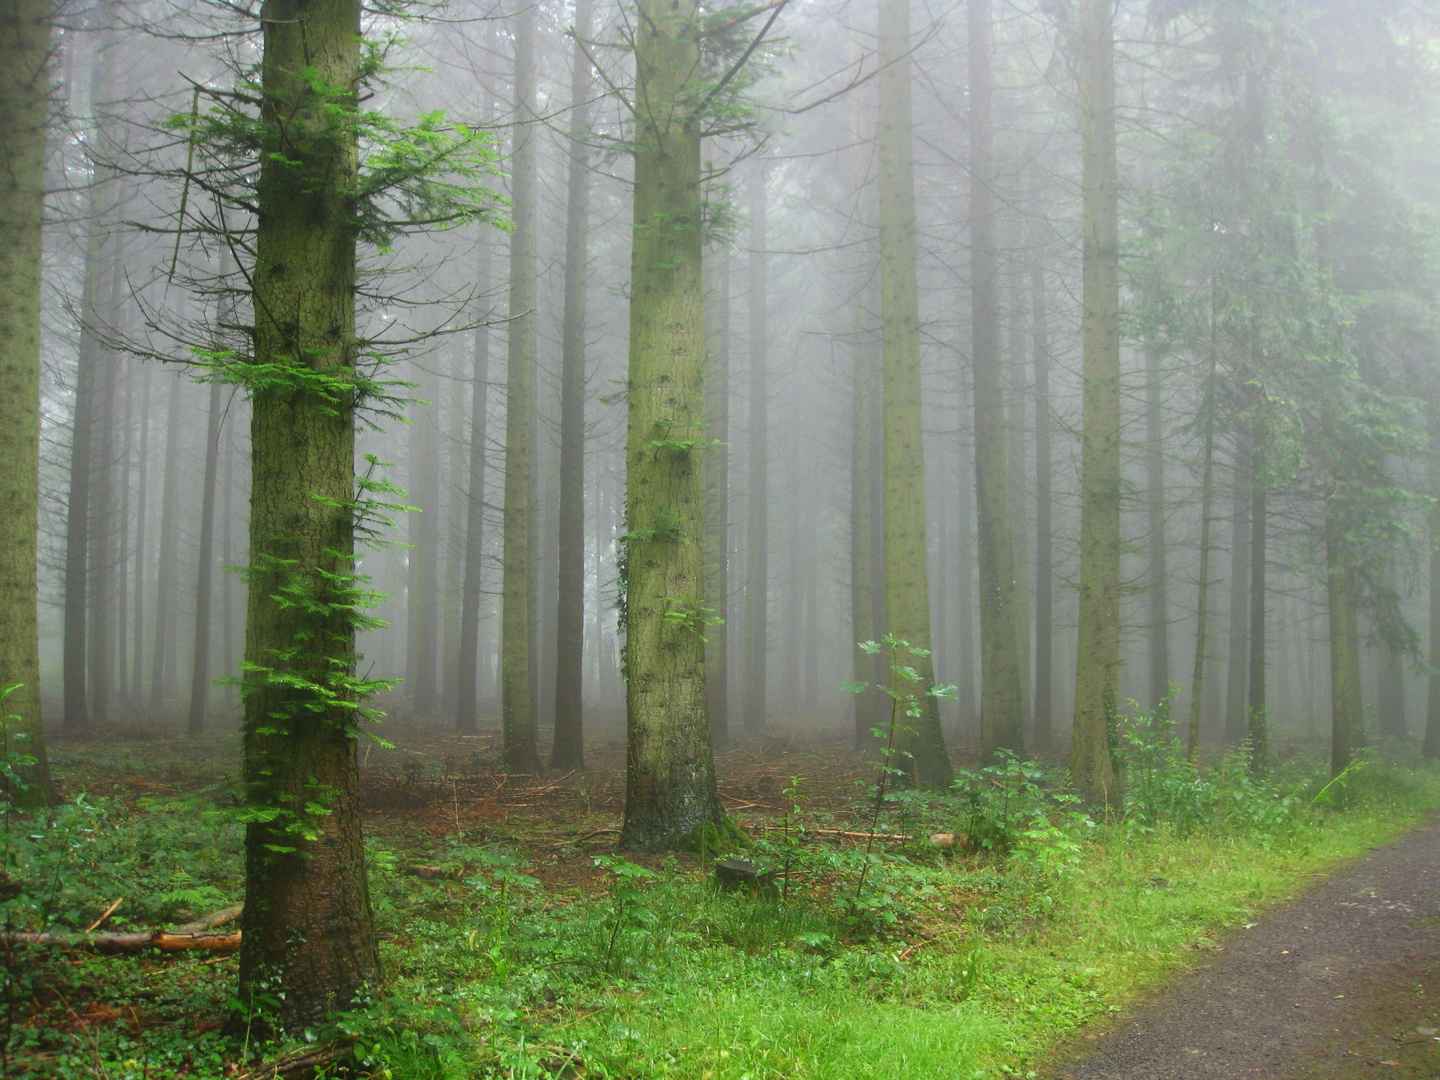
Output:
x,y
307,933
1097,659
517,703
1001,699
24,118
569,748
907,591
670,772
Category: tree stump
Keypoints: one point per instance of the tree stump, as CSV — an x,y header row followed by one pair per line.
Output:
x,y
740,875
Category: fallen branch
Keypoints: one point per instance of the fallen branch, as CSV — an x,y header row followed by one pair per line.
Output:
x,y
300,1063
193,936
897,837
103,916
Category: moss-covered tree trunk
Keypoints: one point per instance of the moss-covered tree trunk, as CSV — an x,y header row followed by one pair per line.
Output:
x,y
24,116
517,700
1097,658
907,588
308,941
1001,699
670,772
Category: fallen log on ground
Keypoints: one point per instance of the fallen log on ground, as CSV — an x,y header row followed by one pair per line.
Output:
x,y
193,936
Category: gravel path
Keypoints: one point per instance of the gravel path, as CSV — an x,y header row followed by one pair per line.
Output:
x,y
1343,982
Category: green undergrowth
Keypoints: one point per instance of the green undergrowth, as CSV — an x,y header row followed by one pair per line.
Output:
x,y
894,960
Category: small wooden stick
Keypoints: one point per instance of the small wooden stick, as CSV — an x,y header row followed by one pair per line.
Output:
x,y
101,920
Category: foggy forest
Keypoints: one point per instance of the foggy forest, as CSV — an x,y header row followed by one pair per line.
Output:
x,y
671,538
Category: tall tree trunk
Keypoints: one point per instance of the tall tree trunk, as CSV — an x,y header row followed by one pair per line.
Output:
x,y
569,748
1390,680
227,578
160,673
1237,669
422,580
100,649
757,505
1097,659
468,668
205,557
1432,702
1159,578
1001,700
1044,529
965,558
670,773
517,704
308,942
456,468
1258,713
907,581
1344,669
142,521
717,500
121,571
864,451
1202,602
24,117
1017,462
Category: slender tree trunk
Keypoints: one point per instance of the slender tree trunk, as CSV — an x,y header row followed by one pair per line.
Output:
x,y
670,774
422,581
1390,680
456,467
227,578
466,711
1001,699
907,582
1432,704
1344,671
1258,713
1202,602
569,749
160,675
717,501
1018,464
200,673
965,586
757,539
308,943
1159,583
1237,669
24,118
1097,660
863,453
517,705
100,648
121,571
142,521
1044,529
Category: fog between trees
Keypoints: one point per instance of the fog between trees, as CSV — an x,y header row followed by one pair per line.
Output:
x,y
1264,456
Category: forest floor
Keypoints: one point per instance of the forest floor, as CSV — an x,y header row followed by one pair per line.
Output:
x,y
516,944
